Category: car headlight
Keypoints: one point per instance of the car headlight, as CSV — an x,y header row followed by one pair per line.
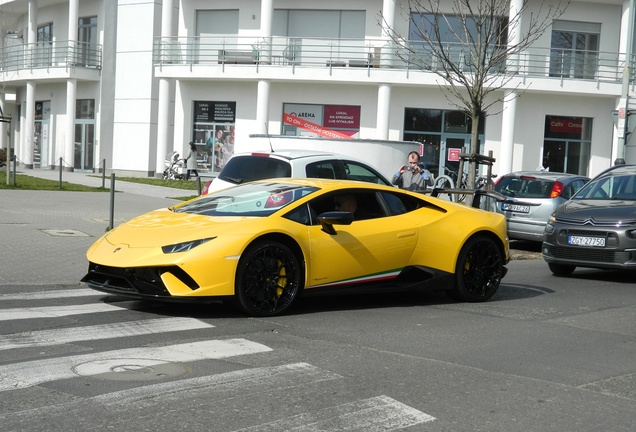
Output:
x,y
185,246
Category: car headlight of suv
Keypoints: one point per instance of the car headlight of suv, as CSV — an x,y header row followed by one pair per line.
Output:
x,y
185,246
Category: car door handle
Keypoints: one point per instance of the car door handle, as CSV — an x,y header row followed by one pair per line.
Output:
x,y
405,234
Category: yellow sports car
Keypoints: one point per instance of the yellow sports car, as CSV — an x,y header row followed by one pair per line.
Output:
x,y
266,243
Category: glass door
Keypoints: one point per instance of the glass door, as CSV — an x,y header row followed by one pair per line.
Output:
x,y
452,146
84,147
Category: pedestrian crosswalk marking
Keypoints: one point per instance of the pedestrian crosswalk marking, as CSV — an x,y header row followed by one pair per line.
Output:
x,y
30,373
222,385
46,295
98,332
226,384
380,413
58,311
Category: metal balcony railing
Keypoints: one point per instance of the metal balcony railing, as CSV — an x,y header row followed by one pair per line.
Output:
x,y
55,54
379,53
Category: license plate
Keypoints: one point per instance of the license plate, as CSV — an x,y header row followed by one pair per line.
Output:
x,y
515,208
586,241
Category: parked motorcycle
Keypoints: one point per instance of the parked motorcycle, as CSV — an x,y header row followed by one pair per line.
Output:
x,y
175,167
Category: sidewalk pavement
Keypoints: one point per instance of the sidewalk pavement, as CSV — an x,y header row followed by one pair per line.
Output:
x,y
44,235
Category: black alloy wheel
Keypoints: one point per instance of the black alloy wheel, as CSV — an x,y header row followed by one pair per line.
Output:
x,y
268,279
479,270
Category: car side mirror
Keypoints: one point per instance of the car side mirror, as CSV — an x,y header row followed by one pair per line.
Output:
x,y
329,219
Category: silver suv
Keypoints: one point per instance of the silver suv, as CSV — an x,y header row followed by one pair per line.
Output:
x,y
245,167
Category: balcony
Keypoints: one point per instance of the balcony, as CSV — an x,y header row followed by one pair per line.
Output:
x,y
221,55
50,60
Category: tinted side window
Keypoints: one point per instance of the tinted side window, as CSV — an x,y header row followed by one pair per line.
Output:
x,y
300,215
359,172
248,168
324,169
399,204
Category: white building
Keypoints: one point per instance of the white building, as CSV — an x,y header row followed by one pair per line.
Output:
x,y
118,84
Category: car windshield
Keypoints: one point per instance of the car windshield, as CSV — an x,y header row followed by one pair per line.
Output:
x,y
524,187
612,187
251,199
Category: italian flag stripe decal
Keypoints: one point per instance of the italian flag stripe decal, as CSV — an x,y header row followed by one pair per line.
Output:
x,y
375,277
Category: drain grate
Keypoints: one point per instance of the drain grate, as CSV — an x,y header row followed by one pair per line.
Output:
x,y
64,233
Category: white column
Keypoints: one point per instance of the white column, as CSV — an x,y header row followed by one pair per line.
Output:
x,y
262,107
165,92
68,152
387,24
506,148
29,126
384,109
267,12
29,120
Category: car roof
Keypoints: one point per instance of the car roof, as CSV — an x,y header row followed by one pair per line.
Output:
x,y
328,184
547,175
291,154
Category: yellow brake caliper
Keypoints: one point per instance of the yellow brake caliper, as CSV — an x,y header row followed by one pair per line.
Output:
x,y
282,280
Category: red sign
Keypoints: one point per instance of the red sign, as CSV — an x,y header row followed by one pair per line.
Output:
x,y
341,116
453,154
569,125
313,127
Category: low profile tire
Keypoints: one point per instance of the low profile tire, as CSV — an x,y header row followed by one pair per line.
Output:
x,y
561,269
479,270
268,279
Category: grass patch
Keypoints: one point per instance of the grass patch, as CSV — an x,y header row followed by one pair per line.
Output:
x,y
175,184
25,182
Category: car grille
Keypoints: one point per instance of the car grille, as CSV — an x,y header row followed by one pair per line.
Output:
x,y
590,255
601,224
139,280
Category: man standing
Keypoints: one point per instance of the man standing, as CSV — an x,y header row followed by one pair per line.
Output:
x,y
412,176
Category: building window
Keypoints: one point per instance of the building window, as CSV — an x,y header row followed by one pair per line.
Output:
x,y
217,22
44,50
87,53
574,49
567,143
85,109
454,33
441,134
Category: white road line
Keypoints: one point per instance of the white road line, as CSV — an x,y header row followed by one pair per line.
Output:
x,y
58,311
53,294
98,332
225,385
378,414
30,373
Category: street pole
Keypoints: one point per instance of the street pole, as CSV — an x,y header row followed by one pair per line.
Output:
x,y
623,107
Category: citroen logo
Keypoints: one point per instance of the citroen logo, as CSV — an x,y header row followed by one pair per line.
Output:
x,y
117,249
588,221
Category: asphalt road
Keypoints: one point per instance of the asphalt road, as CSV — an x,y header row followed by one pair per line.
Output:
x,y
545,354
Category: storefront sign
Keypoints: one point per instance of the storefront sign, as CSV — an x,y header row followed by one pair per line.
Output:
x,y
313,127
328,121
567,125
205,111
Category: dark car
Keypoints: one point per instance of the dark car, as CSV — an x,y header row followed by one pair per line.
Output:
x,y
532,198
596,228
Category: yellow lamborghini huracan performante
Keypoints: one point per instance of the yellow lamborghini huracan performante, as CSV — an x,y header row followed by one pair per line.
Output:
x,y
264,244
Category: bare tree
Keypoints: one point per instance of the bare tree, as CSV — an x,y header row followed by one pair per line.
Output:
x,y
472,45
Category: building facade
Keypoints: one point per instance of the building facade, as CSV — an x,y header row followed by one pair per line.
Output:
x,y
90,86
